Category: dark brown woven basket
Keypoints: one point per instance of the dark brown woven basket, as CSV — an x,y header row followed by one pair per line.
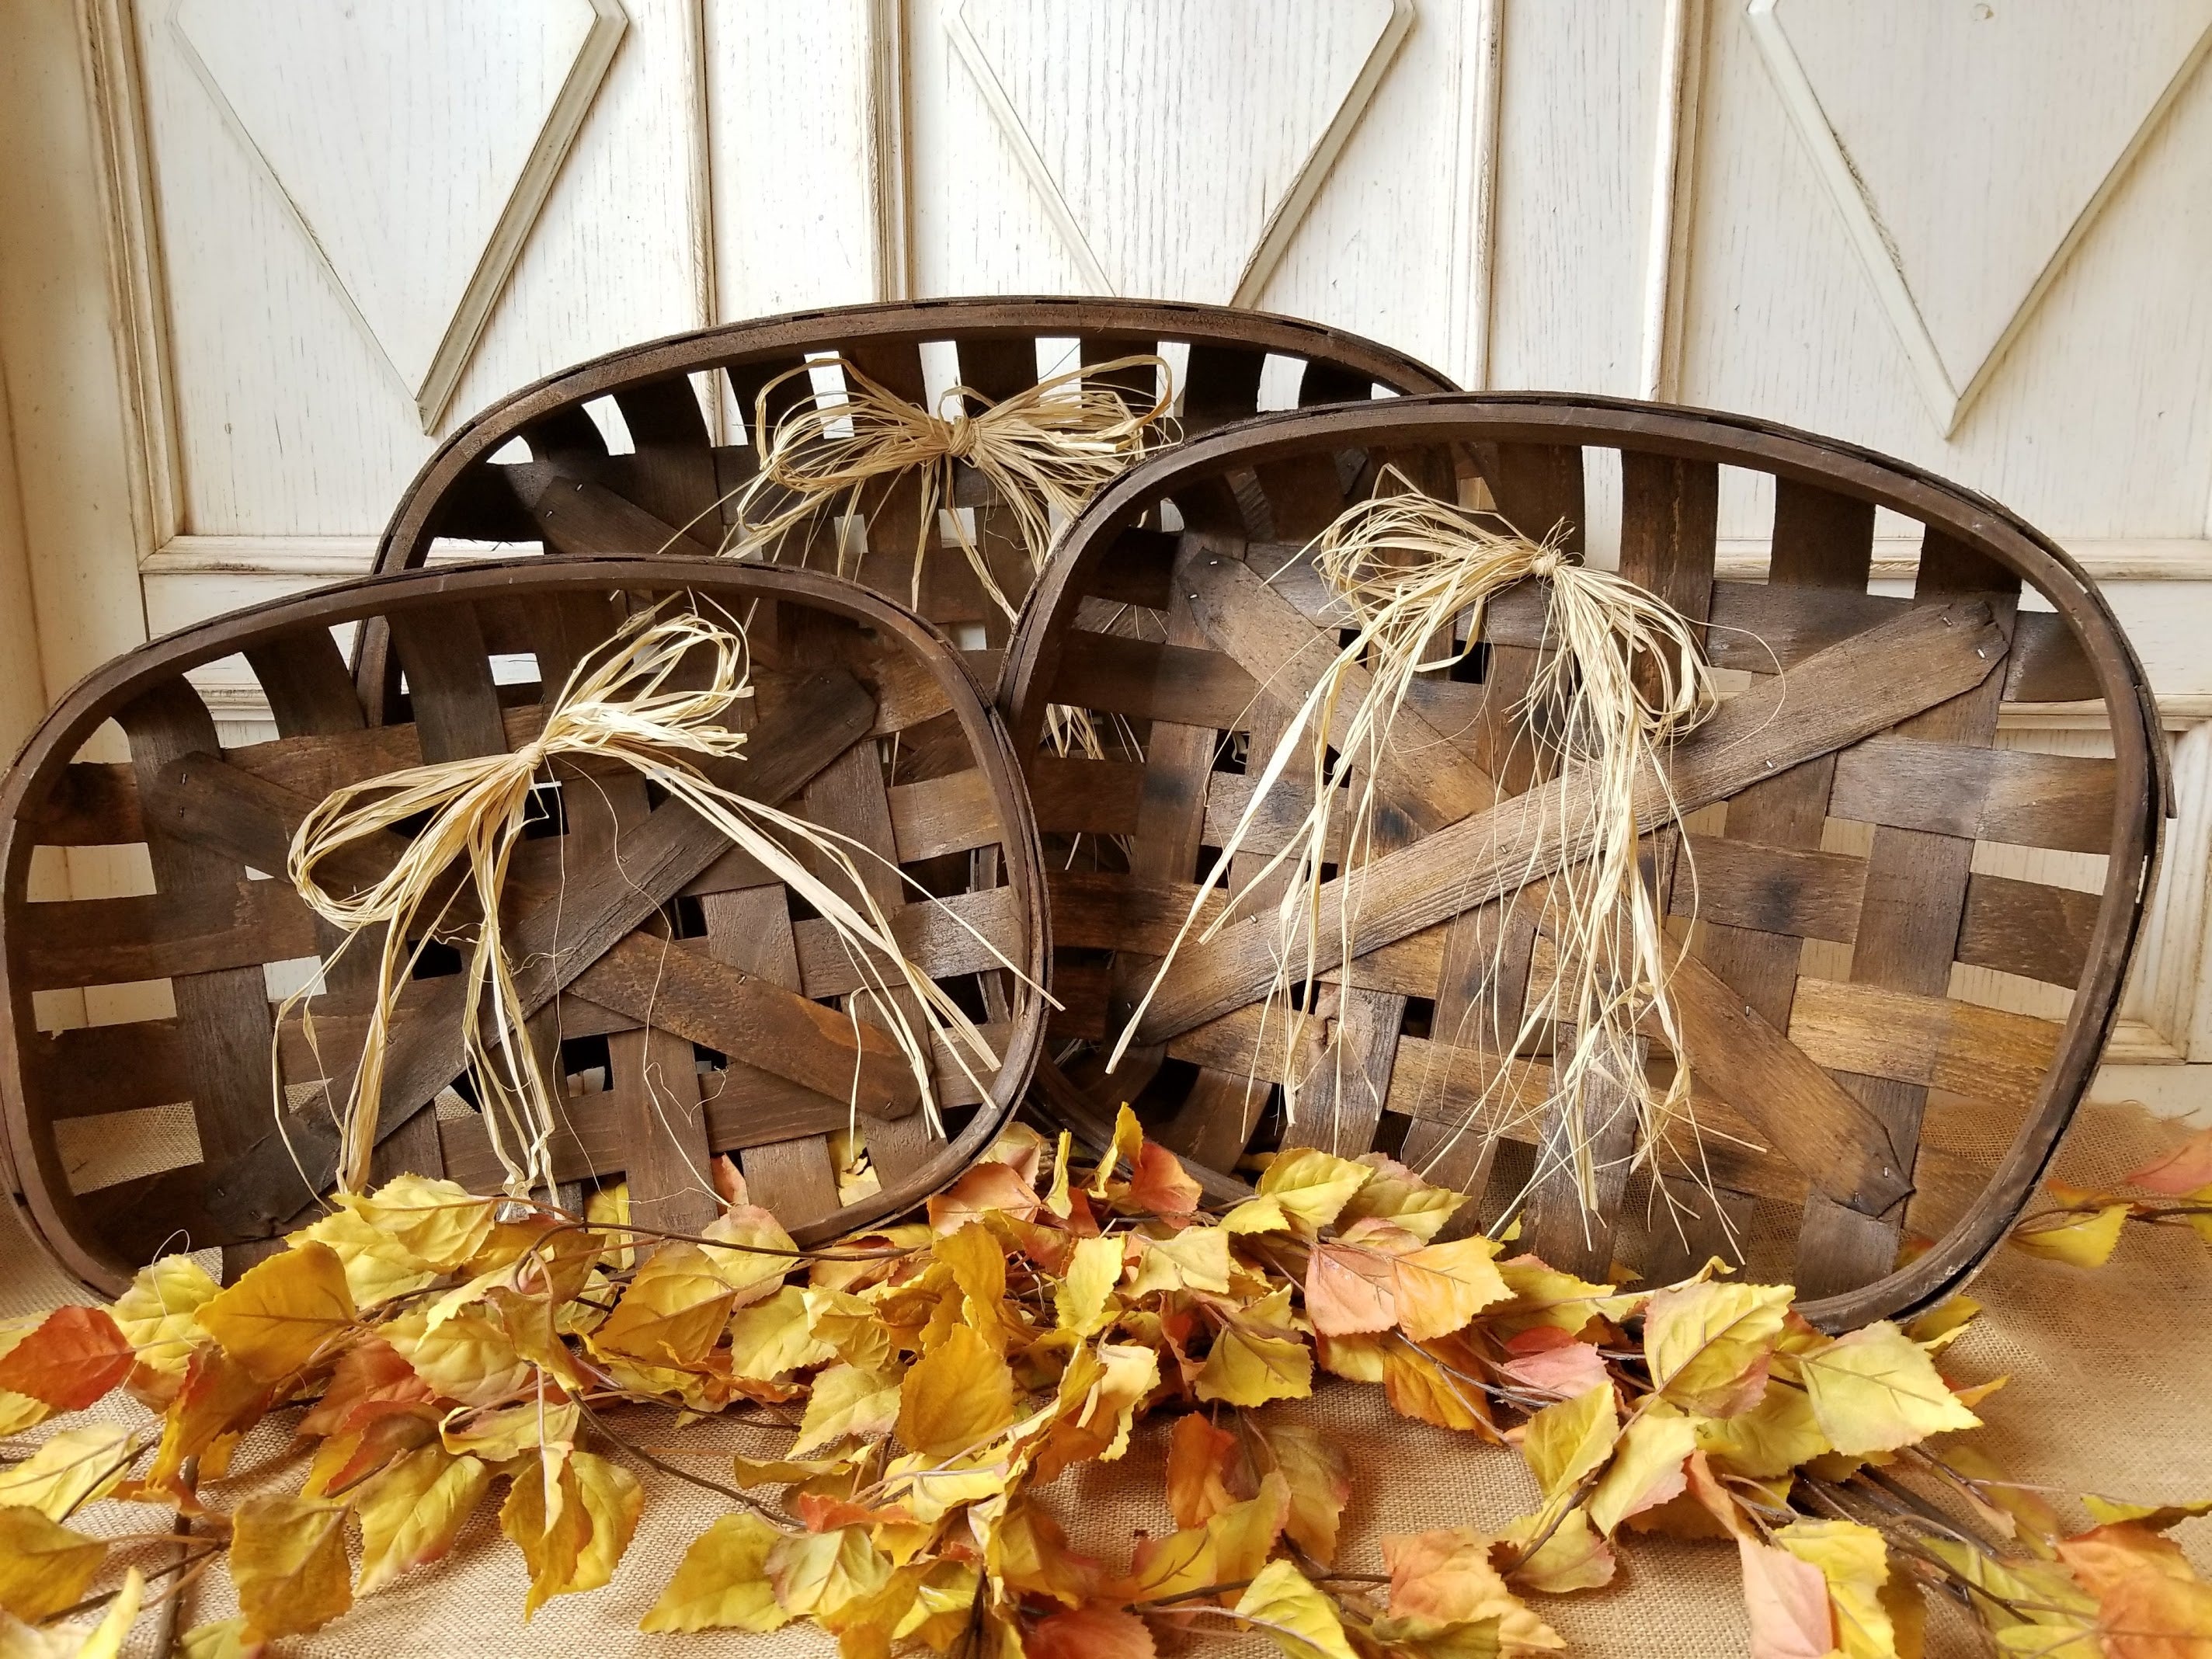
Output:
x,y
1849,1107
677,985
675,493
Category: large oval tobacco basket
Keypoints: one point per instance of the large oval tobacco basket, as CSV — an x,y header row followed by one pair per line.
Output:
x,y
1879,1010
681,997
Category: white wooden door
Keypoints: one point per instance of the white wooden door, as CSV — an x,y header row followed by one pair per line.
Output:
x,y
1971,233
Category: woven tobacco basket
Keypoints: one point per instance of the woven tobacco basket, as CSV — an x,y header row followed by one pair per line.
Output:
x,y
678,491
688,1005
1856,1093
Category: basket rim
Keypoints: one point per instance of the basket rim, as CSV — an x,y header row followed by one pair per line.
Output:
x,y
2143,789
1011,315
26,1145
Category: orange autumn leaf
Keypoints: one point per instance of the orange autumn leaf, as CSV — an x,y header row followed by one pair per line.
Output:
x,y
986,1189
76,1355
1350,1290
1159,1183
1788,1601
2184,1170
1096,1632
1200,1457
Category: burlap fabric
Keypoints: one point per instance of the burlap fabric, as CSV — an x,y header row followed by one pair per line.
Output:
x,y
2107,1374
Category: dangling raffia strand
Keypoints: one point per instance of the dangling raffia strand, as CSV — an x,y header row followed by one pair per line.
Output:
x,y
622,704
1622,675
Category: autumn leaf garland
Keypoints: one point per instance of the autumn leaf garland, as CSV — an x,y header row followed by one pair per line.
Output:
x,y
441,1357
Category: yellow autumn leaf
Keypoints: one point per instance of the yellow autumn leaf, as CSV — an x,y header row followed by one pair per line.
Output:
x,y
43,1566
1057,1198
412,1512
772,1337
1854,1561
1256,1215
614,1500
751,1252
819,1573
1646,1469
282,1313
222,1639
609,1209
1232,1546
287,1560
1250,1367
848,1402
1566,1442
722,1582
1294,1615
1356,1359
470,1358
955,1397
1081,1298
1770,1439
1395,1194
1418,1386
1440,1287
1545,1296
673,1311
1195,1259
1095,1406
1128,1135
851,1325
2084,1240
1312,1187
1708,1345
1573,1558
497,1433
439,1222
978,1264
103,1641
69,1470
1875,1390
156,1314
377,1265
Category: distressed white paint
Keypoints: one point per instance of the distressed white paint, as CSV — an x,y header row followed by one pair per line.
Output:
x,y
415,140
1128,176
1961,125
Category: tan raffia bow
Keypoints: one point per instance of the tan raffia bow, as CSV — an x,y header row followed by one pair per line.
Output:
x,y
1046,449
1622,675
622,703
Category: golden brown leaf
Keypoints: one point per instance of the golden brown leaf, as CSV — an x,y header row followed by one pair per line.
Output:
x,y
414,1510
43,1566
774,1337
282,1313
1312,1187
1294,1615
288,1560
1314,1465
673,1311
1447,1577
1440,1287
818,1573
847,1403
1708,1345
956,1397
69,1470
722,1582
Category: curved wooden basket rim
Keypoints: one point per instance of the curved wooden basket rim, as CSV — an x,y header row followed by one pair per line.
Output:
x,y
92,701
896,320
2143,788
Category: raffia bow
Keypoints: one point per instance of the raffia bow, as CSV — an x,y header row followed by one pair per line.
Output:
x,y
1620,677
622,703
1046,451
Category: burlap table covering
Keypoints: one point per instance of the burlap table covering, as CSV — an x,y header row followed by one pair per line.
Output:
x,y
2107,1373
